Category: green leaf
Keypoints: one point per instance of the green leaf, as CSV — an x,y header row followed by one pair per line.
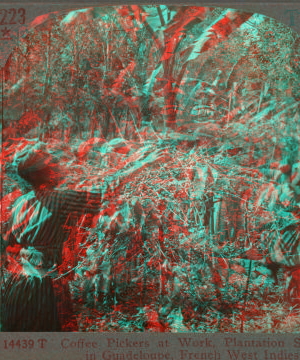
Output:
x,y
218,31
150,82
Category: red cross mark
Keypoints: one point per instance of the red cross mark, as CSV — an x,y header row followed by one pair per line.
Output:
x,y
5,32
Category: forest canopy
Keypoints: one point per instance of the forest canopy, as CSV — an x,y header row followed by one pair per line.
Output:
x,y
123,68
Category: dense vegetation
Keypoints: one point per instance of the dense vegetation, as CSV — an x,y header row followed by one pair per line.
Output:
x,y
204,102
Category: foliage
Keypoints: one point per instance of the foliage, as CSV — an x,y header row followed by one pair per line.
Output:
x,y
142,64
188,218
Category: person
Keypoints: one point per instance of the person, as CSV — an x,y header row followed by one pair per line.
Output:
x,y
35,298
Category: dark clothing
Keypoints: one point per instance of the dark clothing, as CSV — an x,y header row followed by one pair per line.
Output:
x,y
40,219
34,299
29,304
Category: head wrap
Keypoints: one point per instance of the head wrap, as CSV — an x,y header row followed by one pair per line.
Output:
x,y
37,167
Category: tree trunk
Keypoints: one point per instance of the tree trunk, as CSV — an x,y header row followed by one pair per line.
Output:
x,y
93,123
78,124
46,131
106,124
170,116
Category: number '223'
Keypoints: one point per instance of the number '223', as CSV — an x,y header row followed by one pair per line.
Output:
x,y
12,16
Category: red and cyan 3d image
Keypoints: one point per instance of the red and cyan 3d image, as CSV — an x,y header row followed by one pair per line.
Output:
x,y
150,179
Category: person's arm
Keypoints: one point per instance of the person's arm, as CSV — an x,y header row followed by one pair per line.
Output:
x,y
70,202
77,203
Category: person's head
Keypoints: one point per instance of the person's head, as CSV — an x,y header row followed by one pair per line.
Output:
x,y
39,168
